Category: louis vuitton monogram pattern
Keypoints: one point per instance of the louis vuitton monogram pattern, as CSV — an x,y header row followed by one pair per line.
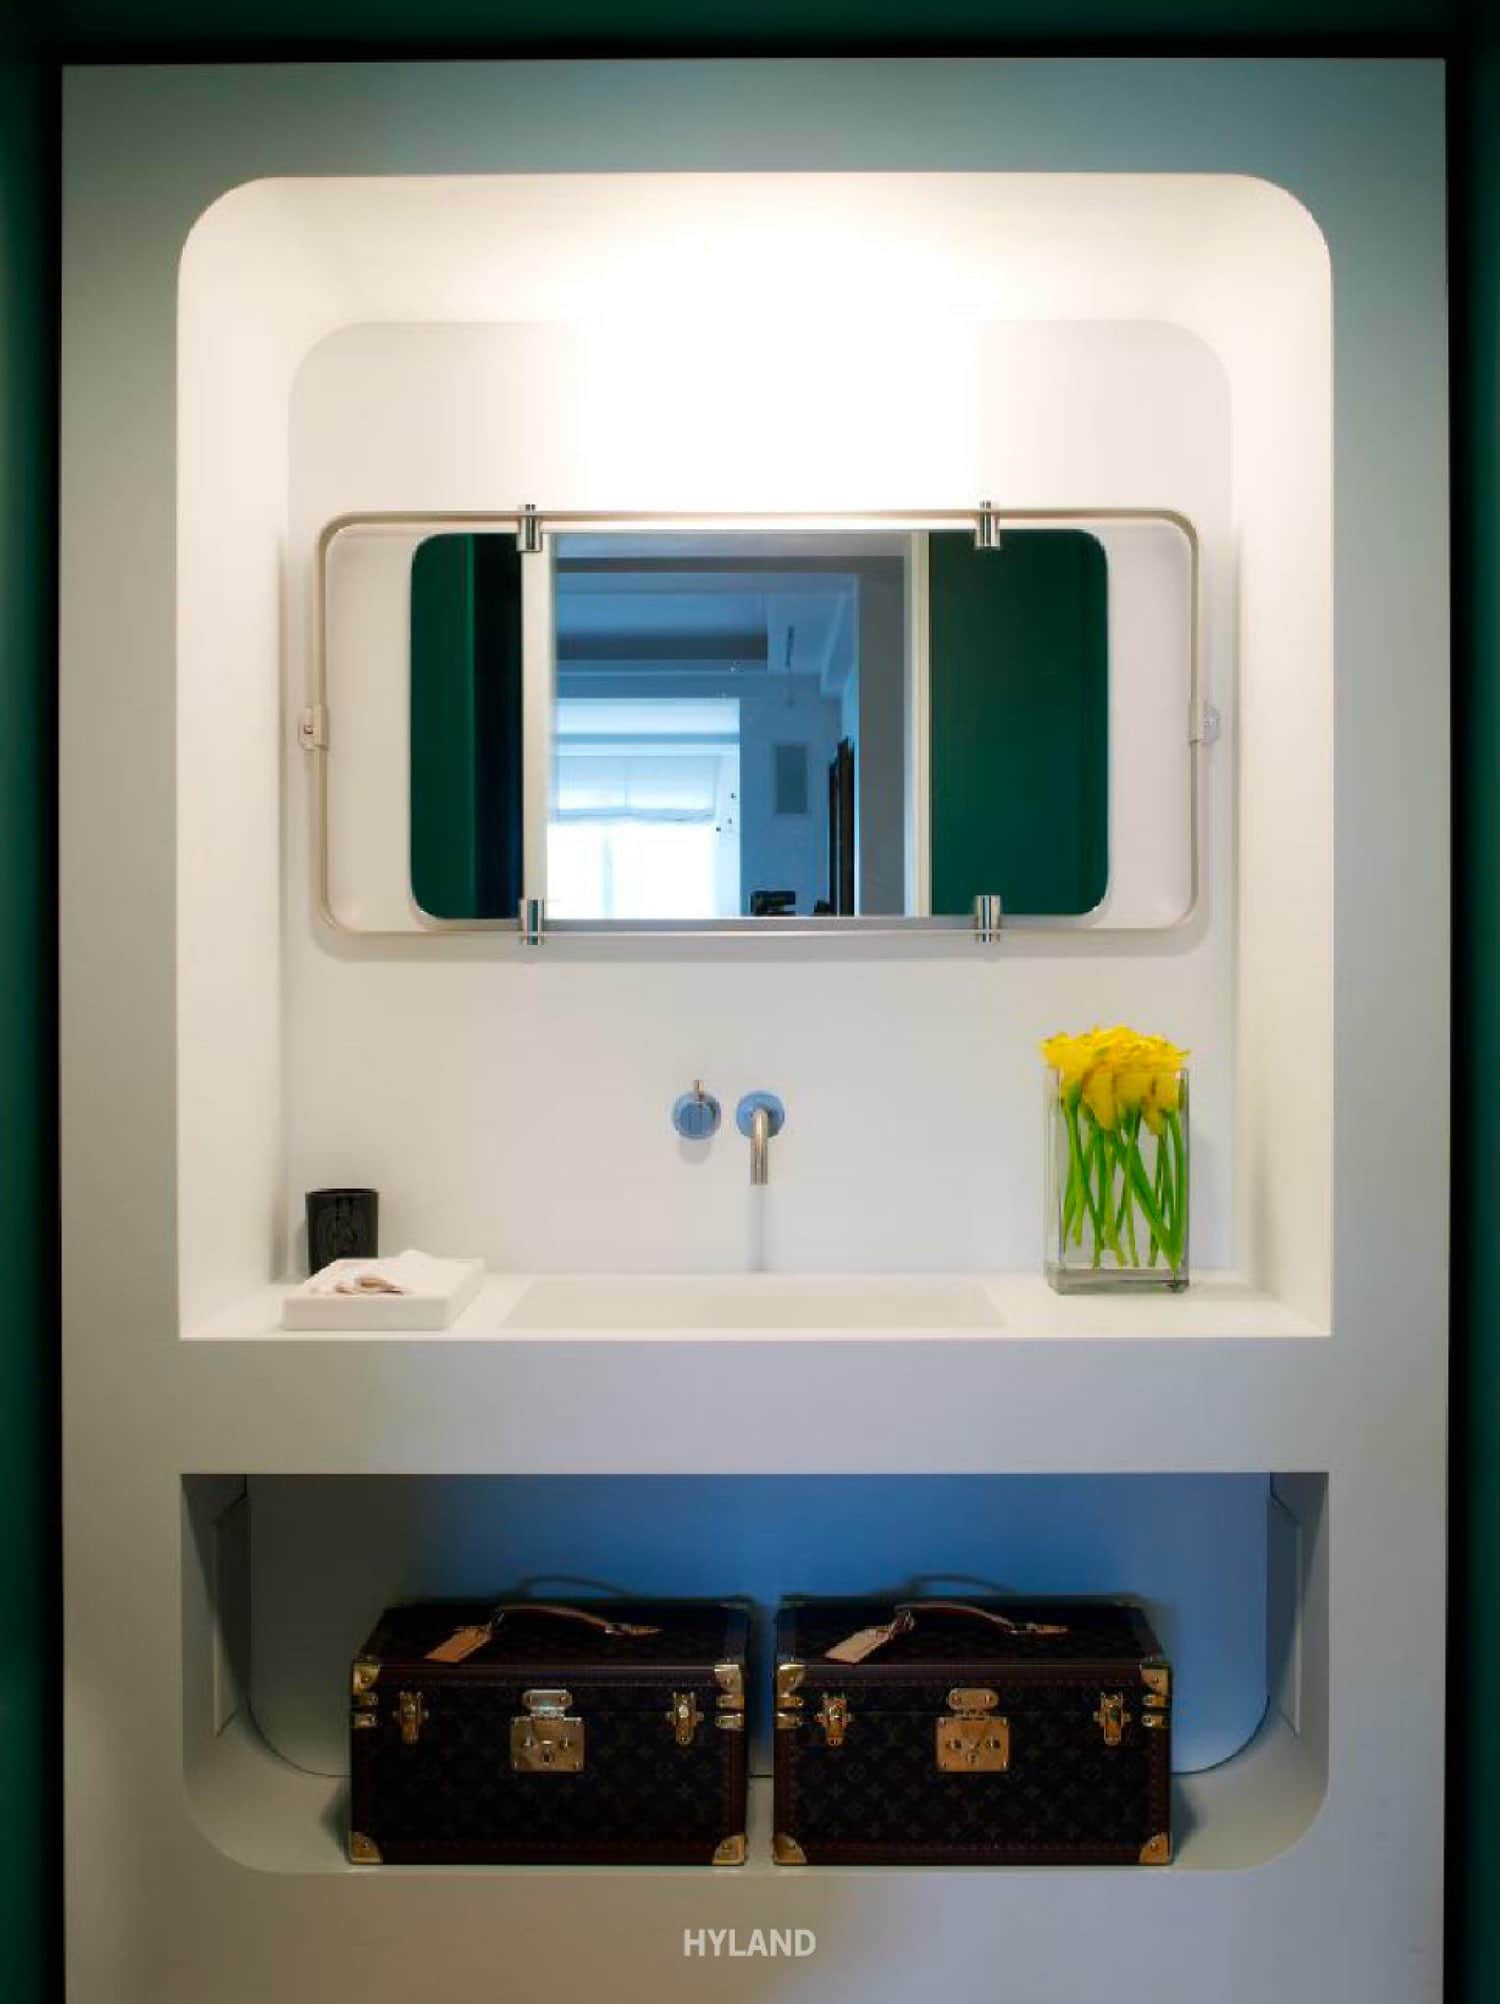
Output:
x,y
452,1793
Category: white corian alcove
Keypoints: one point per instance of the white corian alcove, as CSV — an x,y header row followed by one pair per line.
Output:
x,y
293,292
759,342
605,342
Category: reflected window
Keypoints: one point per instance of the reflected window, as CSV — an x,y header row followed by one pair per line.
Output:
x,y
702,680
644,822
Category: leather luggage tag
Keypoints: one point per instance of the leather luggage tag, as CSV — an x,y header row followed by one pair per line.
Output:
x,y
464,1641
461,1643
865,1641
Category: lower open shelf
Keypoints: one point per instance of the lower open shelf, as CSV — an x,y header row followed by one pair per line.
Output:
x,y
283,1577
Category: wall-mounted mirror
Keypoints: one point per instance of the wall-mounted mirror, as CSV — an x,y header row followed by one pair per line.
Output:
x,y
687,725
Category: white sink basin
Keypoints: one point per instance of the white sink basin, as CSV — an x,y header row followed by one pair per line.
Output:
x,y
753,1301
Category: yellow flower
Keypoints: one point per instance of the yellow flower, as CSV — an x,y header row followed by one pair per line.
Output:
x,y
1069,1057
1099,1094
1166,1089
1118,1071
1132,1086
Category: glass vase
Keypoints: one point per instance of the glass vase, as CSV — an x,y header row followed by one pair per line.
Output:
x,y
1117,1193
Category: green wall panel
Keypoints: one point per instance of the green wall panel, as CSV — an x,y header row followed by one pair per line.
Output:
x,y
140,30
1474,1932
1019,661
137,27
444,778
28,1561
466,727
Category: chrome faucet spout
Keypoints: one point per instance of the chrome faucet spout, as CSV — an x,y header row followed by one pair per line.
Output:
x,y
758,1116
760,1148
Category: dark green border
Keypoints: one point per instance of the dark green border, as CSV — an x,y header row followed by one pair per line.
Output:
x,y
1474,1565
29,1567
33,44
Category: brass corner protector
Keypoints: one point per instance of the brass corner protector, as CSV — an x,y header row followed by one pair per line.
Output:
x,y
789,1677
786,1850
1156,1679
730,1678
1157,1850
362,1677
362,1850
732,1851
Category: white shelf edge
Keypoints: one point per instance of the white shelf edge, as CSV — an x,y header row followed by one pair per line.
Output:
x,y
1217,1306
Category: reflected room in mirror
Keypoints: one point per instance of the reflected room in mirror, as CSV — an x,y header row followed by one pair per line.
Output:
x,y
790,725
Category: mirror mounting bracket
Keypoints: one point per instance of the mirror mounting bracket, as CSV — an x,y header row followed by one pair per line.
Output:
x,y
529,532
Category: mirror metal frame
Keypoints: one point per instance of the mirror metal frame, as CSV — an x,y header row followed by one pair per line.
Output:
x,y
534,530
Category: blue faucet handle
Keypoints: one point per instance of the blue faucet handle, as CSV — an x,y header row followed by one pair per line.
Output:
x,y
752,1104
696,1114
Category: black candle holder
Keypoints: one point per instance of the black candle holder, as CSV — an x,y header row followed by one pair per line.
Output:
x,y
341,1224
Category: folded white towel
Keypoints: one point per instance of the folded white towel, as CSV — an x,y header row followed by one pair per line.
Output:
x,y
409,1272
410,1290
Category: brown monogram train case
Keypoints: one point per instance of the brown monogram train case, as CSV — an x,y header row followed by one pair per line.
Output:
x,y
973,1732
602,1732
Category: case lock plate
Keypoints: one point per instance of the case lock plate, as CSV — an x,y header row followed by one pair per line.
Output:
x,y
1112,1717
971,1737
411,1710
833,1716
546,1740
684,1718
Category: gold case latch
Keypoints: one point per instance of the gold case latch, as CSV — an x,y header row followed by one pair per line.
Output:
x,y
411,1710
833,1716
365,1715
684,1718
1112,1717
546,1740
972,1738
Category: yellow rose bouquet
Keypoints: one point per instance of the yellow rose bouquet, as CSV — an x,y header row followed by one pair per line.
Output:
x,y
1117,1161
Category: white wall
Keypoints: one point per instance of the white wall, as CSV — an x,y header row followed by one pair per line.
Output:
x,y
328,1554
501,1085
229,734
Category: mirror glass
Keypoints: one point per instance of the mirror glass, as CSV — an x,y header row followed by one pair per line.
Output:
x,y
768,725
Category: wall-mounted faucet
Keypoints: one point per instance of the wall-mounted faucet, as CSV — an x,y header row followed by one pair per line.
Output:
x,y
695,1114
760,1115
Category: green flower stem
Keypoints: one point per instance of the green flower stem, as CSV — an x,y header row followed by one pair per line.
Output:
x,y
1108,1180
1133,1142
1158,1192
1128,1130
1171,1199
1074,1201
1098,1197
1147,1200
1107,1166
1180,1178
1093,1183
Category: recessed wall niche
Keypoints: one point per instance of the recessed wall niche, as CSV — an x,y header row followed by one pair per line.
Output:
x,y
1061,339
285,1575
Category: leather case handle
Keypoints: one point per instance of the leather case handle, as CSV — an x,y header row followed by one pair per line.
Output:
x,y
865,1641
600,1621
464,1642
